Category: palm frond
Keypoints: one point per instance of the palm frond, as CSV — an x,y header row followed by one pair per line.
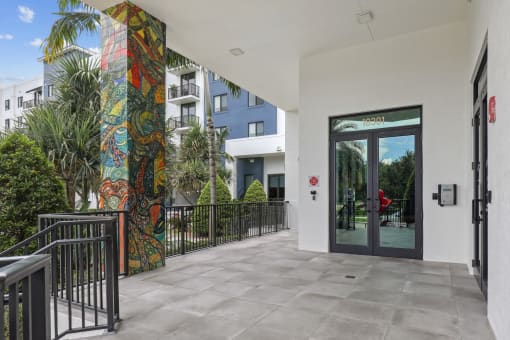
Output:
x,y
175,59
66,30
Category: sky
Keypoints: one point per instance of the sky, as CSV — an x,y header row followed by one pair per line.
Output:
x,y
24,25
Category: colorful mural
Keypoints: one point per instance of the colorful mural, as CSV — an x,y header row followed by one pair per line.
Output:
x,y
133,128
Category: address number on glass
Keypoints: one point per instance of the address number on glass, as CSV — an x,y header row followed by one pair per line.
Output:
x,y
373,121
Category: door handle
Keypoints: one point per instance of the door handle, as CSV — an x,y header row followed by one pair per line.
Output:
x,y
368,209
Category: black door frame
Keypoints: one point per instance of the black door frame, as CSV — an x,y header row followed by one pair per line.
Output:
x,y
480,200
372,136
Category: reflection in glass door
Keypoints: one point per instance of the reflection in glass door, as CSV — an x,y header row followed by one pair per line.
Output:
x,y
351,192
375,195
396,192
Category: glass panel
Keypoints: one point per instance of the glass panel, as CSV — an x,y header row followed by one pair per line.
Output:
x,y
351,173
260,129
377,120
252,129
396,192
217,104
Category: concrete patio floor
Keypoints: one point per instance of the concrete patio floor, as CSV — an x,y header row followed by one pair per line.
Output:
x,y
265,288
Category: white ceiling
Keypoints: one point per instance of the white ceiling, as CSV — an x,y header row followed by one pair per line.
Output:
x,y
275,34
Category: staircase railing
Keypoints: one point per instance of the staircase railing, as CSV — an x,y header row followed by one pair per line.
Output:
x,y
25,311
84,270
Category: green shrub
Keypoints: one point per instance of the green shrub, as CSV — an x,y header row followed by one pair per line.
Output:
x,y
29,186
222,193
255,193
201,214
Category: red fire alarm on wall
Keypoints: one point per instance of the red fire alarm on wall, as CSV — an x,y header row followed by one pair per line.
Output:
x,y
492,109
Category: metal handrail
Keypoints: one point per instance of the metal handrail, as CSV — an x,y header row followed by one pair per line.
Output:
x,y
33,274
183,90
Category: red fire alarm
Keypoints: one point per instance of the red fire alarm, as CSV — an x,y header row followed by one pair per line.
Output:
x,y
313,181
492,109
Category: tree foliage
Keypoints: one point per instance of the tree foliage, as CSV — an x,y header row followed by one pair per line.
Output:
x,y
223,194
29,186
187,166
396,179
67,129
255,193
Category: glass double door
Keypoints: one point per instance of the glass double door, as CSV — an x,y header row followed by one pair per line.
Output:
x,y
376,193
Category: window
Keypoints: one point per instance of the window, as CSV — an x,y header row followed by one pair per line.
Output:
x,y
7,124
7,105
216,76
50,91
20,102
188,112
256,129
253,100
220,103
276,187
221,130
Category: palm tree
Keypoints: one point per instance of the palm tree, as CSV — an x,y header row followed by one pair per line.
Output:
x,y
76,18
67,129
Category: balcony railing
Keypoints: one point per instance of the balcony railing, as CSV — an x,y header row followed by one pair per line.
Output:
x,y
183,91
181,122
192,228
31,104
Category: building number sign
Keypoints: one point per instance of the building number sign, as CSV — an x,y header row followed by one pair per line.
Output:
x,y
372,121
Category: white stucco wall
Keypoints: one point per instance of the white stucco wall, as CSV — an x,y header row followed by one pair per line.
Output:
x,y
292,166
424,68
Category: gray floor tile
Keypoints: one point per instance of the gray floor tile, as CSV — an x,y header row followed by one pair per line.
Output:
x,y
396,333
432,302
427,321
210,327
236,309
313,302
297,322
257,333
336,328
270,294
364,311
412,287
376,296
264,288
475,328
198,304
340,290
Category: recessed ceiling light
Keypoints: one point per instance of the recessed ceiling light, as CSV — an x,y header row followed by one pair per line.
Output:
x,y
236,51
365,17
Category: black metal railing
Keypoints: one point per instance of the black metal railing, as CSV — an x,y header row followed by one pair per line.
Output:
x,y
175,92
121,226
181,122
191,228
25,311
84,270
31,103
400,213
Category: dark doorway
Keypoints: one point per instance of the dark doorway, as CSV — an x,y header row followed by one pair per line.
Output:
x,y
276,187
481,194
375,176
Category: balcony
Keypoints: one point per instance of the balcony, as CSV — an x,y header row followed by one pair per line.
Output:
x,y
29,104
184,94
256,146
176,123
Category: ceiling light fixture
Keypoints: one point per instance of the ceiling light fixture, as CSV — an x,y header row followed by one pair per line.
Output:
x,y
365,17
236,51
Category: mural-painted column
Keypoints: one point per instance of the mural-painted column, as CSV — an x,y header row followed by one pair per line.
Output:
x,y
133,129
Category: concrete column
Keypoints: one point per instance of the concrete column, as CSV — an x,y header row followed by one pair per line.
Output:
x,y
133,129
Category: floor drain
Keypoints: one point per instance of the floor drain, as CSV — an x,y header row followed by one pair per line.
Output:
x,y
350,276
